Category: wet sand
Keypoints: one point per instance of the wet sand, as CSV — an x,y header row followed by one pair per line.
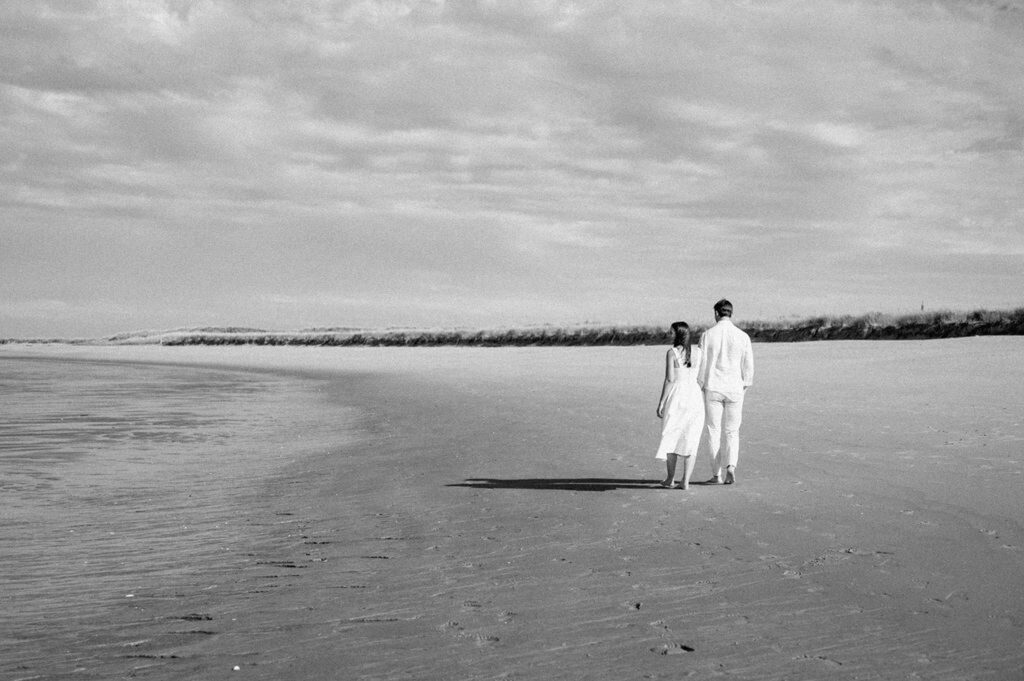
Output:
x,y
500,519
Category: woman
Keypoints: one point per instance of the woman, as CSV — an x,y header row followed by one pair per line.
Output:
x,y
681,407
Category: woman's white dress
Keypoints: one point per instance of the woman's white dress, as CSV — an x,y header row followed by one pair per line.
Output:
x,y
683,418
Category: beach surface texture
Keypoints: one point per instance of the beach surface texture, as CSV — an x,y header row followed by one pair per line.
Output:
x,y
494,513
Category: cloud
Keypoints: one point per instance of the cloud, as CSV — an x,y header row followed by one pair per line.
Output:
x,y
558,153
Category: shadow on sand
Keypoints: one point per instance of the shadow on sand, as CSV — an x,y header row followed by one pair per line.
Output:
x,y
573,484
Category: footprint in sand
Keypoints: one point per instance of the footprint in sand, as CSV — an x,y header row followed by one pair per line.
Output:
x,y
451,627
483,639
669,647
819,658
458,631
672,648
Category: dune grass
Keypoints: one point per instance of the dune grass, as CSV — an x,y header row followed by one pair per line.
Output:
x,y
878,326
873,326
542,335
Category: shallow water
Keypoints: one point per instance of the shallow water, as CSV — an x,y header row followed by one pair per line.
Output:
x,y
120,480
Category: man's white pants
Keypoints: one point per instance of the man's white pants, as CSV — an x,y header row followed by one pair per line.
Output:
x,y
723,413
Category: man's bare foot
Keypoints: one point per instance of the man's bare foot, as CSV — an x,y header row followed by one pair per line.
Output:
x,y
668,484
713,480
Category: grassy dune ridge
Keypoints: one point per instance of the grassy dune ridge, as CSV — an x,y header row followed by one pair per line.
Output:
x,y
878,326
873,326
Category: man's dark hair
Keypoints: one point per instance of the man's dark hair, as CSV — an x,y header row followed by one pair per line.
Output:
x,y
723,308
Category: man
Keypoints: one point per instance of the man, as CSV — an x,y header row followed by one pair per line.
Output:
x,y
726,371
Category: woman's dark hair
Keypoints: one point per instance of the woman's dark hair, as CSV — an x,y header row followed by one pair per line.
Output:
x,y
681,336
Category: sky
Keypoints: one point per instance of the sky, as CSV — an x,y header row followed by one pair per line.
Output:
x,y
288,164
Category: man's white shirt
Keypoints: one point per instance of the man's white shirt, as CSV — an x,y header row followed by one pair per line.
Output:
x,y
727,359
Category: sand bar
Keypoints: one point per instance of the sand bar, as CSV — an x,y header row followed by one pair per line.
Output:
x,y
499,520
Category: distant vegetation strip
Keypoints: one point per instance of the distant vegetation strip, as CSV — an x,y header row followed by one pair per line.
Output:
x,y
873,326
878,326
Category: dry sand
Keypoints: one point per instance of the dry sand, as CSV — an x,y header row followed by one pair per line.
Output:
x,y
501,521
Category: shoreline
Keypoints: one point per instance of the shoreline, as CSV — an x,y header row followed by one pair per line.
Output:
x,y
503,521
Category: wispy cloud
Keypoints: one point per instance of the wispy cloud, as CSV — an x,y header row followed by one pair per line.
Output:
x,y
442,161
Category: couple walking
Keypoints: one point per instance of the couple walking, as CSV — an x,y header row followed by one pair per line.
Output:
x,y
702,398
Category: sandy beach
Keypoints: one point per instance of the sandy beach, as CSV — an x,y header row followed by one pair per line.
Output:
x,y
496,516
